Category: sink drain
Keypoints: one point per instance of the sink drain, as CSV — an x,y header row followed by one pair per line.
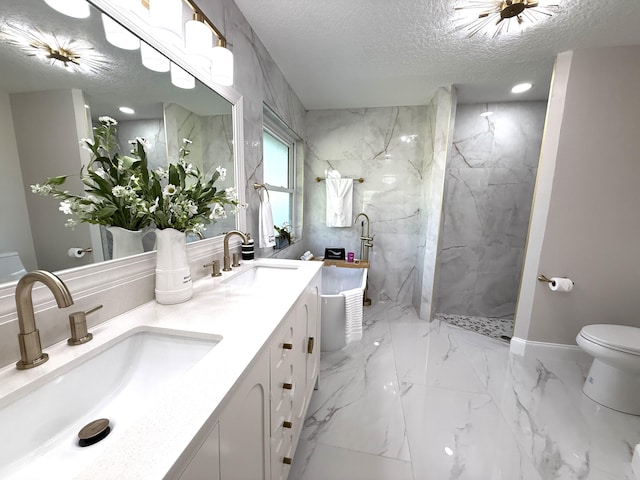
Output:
x,y
93,432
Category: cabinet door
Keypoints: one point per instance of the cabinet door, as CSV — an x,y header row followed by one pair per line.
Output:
x,y
205,465
244,427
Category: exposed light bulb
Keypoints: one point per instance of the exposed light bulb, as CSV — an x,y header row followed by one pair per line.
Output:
x,y
71,8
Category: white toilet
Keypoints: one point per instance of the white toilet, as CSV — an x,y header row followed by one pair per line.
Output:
x,y
614,377
11,268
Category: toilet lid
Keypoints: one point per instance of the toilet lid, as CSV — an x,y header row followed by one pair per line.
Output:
x,y
618,337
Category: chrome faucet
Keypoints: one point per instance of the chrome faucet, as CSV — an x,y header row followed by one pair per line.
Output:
x,y
366,241
227,260
29,337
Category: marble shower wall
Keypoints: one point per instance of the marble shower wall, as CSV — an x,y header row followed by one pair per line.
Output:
x,y
441,115
488,191
386,147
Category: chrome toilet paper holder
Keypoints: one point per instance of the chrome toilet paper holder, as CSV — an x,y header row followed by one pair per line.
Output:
x,y
544,278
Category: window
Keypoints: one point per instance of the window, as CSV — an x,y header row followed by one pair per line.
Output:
x,y
278,160
280,145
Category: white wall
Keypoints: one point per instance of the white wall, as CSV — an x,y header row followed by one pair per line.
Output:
x,y
585,221
16,233
49,126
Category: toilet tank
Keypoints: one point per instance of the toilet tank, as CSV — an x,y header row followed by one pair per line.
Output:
x,y
11,268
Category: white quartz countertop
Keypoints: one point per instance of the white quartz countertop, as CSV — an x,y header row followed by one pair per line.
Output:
x,y
244,318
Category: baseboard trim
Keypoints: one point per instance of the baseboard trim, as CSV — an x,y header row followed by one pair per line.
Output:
x,y
548,351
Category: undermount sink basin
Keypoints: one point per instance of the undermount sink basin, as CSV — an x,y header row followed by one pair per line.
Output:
x,y
263,276
39,429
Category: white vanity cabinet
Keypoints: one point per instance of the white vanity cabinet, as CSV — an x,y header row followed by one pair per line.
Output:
x,y
295,361
244,427
256,433
206,463
237,448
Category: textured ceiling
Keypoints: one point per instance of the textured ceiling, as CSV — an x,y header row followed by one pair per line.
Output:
x,y
124,80
368,53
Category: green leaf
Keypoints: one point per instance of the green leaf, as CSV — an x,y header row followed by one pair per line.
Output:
x,y
56,180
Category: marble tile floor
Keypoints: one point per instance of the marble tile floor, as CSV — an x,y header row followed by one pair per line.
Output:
x,y
498,328
432,401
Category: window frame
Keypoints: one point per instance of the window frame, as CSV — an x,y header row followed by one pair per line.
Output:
x,y
279,130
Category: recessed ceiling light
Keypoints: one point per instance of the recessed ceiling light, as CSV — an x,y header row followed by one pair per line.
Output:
x,y
486,114
128,110
522,87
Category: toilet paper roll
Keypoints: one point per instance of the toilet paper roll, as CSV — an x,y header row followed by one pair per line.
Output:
x,y
75,252
559,284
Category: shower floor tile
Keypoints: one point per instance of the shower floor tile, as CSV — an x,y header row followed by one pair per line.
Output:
x,y
498,328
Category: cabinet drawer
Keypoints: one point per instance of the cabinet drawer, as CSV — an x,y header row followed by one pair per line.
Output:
x,y
281,455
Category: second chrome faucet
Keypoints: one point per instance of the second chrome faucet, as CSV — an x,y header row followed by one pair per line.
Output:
x,y
227,259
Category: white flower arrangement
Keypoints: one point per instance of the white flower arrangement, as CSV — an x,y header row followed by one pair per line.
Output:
x,y
121,191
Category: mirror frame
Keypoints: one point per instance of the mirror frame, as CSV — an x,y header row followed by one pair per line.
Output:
x,y
179,57
93,278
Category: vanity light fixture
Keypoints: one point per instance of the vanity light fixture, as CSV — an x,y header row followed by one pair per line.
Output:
x,y
198,41
71,8
521,88
165,18
73,55
220,56
152,59
119,36
221,64
181,78
493,17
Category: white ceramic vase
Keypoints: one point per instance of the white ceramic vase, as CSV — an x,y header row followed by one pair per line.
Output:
x,y
125,242
173,277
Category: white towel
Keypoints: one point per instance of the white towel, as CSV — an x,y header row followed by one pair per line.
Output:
x,y
353,314
266,232
339,202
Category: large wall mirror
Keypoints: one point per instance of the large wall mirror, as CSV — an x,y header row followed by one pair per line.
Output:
x,y
46,108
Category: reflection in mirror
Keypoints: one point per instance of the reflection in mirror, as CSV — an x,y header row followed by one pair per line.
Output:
x,y
45,109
